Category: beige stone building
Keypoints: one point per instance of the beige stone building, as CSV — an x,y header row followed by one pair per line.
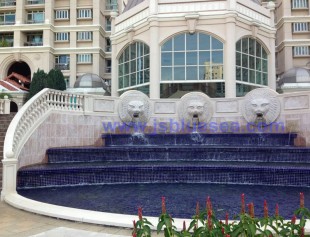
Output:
x,y
166,48
293,45
72,35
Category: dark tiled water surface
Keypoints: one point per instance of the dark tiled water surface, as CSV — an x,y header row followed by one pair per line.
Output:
x,y
181,198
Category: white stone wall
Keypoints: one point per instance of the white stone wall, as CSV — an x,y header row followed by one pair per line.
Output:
x,y
63,129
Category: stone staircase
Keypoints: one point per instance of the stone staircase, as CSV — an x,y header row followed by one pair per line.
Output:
x,y
5,120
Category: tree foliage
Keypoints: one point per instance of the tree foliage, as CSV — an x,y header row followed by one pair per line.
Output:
x,y
38,83
40,80
56,80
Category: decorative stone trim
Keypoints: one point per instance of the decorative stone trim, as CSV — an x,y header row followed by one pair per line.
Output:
x,y
195,109
134,107
261,107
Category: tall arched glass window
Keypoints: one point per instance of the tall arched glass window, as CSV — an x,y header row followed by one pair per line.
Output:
x,y
251,62
192,57
134,66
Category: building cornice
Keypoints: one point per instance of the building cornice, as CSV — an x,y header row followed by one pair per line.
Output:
x,y
292,19
291,43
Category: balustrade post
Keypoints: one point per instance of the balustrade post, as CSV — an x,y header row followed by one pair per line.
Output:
x,y
6,105
1,107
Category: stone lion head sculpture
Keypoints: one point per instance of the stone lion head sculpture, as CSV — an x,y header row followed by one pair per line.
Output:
x,y
195,109
134,107
261,106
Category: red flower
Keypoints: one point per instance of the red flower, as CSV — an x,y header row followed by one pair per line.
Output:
x,y
223,230
197,209
277,210
265,209
163,205
210,220
140,213
302,200
209,204
294,219
251,209
226,218
227,235
134,225
242,204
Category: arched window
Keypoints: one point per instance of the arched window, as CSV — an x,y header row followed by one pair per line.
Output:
x,y
134,66
192,57
251,62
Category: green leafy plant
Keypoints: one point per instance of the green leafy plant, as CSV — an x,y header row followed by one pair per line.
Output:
x,y
205,224
141,228
2,95
166,222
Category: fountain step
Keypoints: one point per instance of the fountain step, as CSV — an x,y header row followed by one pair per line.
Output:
x,y
177,153
231,139
194,172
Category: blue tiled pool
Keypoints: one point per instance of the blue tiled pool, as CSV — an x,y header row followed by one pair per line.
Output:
x,y
181,198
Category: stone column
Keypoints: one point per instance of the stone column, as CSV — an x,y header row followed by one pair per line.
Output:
x,y
230,58
19,39
272,42
20,15
6,105
272,64
73,71
49,12
154,59
9,174
73,13
96,11
114,61
153,7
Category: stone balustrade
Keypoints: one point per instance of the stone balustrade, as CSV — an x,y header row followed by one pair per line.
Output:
x,y
34,110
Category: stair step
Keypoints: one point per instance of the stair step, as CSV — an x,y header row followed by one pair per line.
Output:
x,y
178,153
231,139
177,173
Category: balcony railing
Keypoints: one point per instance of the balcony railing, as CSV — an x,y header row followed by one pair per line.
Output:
x,y
7,3
62,66
108,48
33,44
111,7
7,22
35,21
34,2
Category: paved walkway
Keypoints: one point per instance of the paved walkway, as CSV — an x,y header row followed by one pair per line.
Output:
x,y
18,223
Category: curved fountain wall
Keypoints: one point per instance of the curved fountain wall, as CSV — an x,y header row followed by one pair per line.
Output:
x,y
57,119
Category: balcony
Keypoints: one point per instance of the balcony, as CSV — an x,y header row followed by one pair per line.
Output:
x,y
34,2
5,43
33,44
108,69
108,48
111,7
7,23
35,21
62,66
7,3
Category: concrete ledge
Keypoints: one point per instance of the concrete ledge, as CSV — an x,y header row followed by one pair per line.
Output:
x,y
85,216
68,232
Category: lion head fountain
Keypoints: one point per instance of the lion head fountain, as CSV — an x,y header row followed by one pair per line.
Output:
x,y
195,109
261,107
134,107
